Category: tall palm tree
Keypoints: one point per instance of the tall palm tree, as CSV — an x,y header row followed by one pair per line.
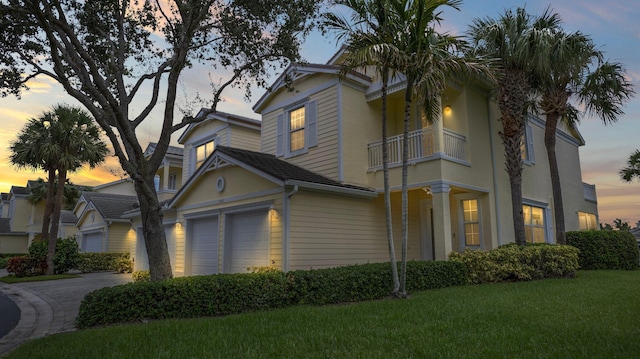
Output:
x,y
369,39
72,140
428,60
516,41
633,167
602,91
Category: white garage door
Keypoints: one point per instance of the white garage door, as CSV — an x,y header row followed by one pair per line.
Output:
x,y
249,240
142,259
204,246
92,242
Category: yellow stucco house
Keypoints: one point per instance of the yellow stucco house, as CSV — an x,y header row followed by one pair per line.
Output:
x,y
302,188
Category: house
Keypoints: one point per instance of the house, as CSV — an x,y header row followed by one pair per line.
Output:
x,y
308,191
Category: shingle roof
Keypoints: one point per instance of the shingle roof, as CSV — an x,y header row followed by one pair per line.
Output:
x,y
5,196
111,206
171,150
68,217
19,190
280,169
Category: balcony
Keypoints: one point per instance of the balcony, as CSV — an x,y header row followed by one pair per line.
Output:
x,y
422,146
590,192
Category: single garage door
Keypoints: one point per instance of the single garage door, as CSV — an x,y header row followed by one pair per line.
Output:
x,y
204,246
249,240
92,242
142,259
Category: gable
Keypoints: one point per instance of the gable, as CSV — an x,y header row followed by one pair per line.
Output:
x,y
225,183
90,218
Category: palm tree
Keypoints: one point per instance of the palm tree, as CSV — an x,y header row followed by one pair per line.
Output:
x,y
427,59
602,91
369,42
62,141
515,40
633,167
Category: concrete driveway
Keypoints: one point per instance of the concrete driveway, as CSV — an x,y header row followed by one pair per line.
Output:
x,y
51,307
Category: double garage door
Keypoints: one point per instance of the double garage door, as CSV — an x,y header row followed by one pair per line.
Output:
x,y
246,243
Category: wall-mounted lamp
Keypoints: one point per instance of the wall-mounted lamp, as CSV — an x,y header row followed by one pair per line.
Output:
x,y
427,190
273,212
447,110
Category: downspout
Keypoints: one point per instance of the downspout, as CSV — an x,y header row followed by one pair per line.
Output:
x,y
496,196
106,236
286,222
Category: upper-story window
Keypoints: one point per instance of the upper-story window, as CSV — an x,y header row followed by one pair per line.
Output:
x,y
297,129
173,181
202,152
526,147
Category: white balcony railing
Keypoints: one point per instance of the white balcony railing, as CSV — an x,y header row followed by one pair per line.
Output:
x,y
421,145
590,192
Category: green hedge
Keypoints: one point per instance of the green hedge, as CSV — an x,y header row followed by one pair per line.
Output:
x,y
4,258
605,249
101,262
519,263
224,294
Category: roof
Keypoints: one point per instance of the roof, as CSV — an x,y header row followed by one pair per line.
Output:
x,y
296,71
280,169
111,206
20,190
68,217
220,116
4,196
171,150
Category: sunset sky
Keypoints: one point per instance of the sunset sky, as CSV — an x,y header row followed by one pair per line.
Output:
x,y
613,25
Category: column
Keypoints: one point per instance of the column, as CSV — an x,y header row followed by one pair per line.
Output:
x,y
441,220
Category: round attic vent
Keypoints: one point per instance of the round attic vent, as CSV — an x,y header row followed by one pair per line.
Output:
x,y
220,184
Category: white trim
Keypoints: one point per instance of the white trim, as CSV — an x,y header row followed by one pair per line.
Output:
x,y
440,183
340,132
232,199
331,188
300,97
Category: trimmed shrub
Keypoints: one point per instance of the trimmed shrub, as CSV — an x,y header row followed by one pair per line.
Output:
x,y
26,266
102,262
67,253
141,276
605,249
224,294
519,263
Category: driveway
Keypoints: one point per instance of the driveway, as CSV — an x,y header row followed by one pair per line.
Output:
x,y
51,307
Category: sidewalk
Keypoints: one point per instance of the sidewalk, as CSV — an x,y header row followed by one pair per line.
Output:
x,y
51,307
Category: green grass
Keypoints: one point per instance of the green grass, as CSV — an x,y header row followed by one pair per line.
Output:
x,y
596,315
12,279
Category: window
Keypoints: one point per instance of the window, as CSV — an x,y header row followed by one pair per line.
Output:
x,y
534,224
156,182
202,152
297,130
173,181
526,147
587,221
471,222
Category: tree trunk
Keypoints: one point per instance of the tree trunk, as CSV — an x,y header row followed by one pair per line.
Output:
x,y
387,191
49,204
513,157
55,220
405,187
153,230
550,144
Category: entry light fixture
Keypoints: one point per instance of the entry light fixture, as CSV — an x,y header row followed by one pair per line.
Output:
x,y
447,110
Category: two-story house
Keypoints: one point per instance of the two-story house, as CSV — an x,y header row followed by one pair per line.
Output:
x,y
307,192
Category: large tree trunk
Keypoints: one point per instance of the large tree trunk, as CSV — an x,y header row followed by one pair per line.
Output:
x,y
55,220
153,230
387,191
49,204
550,144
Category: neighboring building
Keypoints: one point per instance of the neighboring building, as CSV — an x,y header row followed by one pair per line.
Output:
x,y
310,195
101,227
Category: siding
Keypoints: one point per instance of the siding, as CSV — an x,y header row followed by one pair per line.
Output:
x,y
120,237
245,138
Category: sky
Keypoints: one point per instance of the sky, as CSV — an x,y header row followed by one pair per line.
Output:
x,y
613,25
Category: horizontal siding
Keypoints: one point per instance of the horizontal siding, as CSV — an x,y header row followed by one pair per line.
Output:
x,y
328,231
245,138
268,132
120,238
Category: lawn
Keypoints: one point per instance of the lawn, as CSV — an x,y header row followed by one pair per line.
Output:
x,y
596,315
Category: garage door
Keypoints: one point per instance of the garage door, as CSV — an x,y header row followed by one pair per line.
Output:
x,y
142,259
204,246
249,239
92,242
